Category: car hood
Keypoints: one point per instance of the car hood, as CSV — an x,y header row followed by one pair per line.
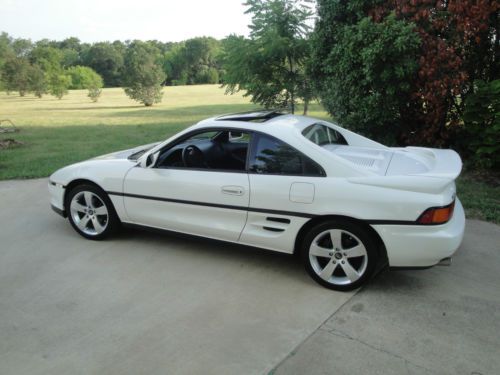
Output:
x,y
131,153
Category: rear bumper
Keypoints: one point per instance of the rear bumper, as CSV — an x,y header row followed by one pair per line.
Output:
x,y
423,245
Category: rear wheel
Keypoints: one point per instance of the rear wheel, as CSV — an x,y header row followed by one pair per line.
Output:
x,y
91,212
339,255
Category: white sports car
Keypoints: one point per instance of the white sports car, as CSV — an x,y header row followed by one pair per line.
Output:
x,y
281,182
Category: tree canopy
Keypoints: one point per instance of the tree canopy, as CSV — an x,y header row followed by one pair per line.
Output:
x,y
270,65
404,68
143,73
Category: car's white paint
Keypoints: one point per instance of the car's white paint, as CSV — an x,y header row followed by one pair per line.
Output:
x,y
188,185
398,185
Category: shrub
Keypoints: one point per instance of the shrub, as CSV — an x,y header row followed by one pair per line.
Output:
x,y
58,84
363,76
482,124
83,77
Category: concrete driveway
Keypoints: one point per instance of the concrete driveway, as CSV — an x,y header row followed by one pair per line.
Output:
x,y
157,304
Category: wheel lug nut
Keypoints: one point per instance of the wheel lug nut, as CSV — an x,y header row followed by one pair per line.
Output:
x,y
334,262
343,262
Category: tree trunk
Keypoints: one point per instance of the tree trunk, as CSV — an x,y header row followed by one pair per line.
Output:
x,y
306,106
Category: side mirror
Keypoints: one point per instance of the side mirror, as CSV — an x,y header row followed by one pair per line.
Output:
x,y
148,161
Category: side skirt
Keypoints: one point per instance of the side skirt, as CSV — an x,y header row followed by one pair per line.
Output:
x,y
58,211
196,237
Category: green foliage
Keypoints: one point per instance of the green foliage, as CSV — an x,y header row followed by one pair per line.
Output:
x,y
195,61
206,75
83,77
482,123
94,93
37,81
16,75
107,60
58,84
143,73
270,65
364,73
48,58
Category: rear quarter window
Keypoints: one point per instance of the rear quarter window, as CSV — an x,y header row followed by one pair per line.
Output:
x,y
323,135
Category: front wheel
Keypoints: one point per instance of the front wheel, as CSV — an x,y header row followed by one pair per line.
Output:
x,y
91,212
339,255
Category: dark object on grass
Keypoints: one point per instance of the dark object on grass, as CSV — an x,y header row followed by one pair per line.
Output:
x,y
9,143
7,126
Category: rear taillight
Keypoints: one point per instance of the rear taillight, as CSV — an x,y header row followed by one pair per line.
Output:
x,y
437,215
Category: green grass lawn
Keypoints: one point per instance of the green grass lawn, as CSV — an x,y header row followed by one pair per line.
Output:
x,y
60,132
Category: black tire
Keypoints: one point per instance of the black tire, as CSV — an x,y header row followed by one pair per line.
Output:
x,y
109,224
339,279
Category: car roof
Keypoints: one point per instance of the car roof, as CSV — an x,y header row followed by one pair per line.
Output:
x,y
273,122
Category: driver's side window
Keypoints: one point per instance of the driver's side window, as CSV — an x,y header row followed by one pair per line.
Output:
x,y
210,150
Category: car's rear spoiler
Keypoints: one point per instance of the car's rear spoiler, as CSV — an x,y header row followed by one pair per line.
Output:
x,y
443,163
443,167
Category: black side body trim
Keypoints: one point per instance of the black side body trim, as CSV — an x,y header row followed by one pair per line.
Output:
x,y
410,268
205,204
392,222
261,210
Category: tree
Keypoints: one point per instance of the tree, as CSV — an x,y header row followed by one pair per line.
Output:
x,y
37,81
15,75
195,61
364,78
143,73
107,60
6,52
58,84
482,117
83,77
459,43
49,59
270,65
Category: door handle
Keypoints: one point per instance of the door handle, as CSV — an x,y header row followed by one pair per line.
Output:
x,y
233,190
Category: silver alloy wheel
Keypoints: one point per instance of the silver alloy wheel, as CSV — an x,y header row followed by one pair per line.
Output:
x,y
338,256
89,213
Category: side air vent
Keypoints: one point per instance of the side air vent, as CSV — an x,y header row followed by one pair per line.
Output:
x,y
278,220
364,162
271,229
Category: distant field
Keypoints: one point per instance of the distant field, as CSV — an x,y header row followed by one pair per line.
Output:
x,y
59,132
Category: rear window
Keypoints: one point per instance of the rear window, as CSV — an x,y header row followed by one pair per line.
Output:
x,y
323,135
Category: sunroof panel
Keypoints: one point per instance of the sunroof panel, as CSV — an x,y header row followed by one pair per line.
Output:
x,y
253,116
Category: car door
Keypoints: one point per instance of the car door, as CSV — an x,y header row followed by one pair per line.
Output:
x,y
208,197
283,184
